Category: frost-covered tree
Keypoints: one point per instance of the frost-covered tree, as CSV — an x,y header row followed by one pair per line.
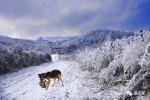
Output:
x,y
13,61
123,61
141,80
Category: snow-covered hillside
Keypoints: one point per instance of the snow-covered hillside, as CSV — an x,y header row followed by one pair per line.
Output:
x,y
26,45
93,39
123,62
67,44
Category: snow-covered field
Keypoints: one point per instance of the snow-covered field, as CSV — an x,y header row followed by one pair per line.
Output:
x,y
24,84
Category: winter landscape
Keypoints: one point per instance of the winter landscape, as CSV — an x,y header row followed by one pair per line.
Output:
x,y
102,49
115,69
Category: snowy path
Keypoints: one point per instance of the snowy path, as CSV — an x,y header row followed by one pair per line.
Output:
x,y
24,84
78,85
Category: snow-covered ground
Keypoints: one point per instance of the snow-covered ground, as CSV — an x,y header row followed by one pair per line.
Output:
x,y
24,84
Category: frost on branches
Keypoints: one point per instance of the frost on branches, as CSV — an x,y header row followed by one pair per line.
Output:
x,y
123,62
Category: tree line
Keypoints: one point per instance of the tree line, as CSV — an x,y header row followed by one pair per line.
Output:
x,y
17,59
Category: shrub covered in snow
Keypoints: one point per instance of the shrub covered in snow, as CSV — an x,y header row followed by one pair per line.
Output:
x,y
125,62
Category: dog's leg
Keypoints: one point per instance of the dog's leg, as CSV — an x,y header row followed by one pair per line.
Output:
x,y
54,81
61,80
49,81
58,78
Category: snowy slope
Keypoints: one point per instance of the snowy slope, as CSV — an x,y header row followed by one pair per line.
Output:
x,y
24,85
67,44
93,39
123,62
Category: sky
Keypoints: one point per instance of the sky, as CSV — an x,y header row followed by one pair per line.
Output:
x,y
30,19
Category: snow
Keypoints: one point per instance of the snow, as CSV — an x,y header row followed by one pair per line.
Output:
x,y
55,57
123,62
24,85
78,85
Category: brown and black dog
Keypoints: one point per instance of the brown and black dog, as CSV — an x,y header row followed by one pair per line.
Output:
x,y
52,74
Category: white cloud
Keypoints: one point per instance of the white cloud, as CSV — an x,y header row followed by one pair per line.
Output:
x,y
60,18
6,27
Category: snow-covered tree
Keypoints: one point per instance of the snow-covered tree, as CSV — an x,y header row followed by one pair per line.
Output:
x,y
123,61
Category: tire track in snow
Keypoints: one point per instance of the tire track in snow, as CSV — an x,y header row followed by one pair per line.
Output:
x,y
15,91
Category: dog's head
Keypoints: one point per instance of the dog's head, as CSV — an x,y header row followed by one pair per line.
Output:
x,y
42,76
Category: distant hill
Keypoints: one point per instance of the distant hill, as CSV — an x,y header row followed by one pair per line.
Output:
x,y
93,39
26,45
63,45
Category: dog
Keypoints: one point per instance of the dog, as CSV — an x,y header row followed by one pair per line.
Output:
x,y
51,75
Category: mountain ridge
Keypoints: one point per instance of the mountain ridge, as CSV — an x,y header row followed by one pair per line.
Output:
x,y
67,44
